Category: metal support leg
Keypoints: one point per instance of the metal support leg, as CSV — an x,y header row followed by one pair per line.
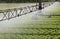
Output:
x,y
4,15
8,16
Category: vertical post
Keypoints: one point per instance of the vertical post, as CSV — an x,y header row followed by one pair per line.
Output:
x,y
8,15
36,4
40,4
56,0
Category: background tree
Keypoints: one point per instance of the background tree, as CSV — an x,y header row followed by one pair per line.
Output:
x,y
23,1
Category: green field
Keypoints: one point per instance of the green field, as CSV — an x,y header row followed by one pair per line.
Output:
x,y
41,28
4,6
